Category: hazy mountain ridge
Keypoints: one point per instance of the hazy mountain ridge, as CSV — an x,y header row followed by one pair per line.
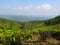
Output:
x,y
23,18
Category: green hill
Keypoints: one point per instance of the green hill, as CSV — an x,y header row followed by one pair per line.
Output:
x,y
53,21
14,31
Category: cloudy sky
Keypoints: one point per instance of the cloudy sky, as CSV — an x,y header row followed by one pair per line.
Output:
x,y
30,7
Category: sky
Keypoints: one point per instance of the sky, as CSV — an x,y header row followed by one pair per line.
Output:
x,y
30,7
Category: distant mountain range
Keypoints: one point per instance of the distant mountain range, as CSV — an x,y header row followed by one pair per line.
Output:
x,y
23,17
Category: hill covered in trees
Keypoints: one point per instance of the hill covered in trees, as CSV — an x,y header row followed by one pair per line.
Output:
x,y
17,33
53,21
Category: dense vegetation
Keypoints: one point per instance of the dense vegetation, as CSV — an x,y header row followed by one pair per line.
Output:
x,y
53,21
12,32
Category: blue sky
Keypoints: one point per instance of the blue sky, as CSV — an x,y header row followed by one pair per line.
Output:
x,y
30,7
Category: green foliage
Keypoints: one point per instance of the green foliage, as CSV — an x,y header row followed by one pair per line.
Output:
x,y
51,28
15,31
53,21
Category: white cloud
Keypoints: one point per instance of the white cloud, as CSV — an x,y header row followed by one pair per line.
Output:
x,y
38,7
43,9
18,8
28,7
46,6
